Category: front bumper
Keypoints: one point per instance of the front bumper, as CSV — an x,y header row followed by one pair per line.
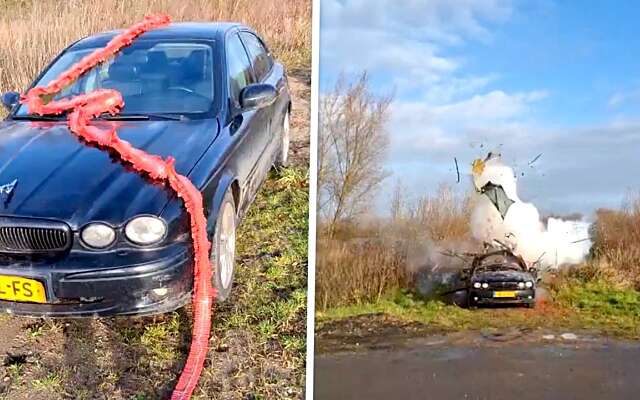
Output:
x,y
74,290
487,297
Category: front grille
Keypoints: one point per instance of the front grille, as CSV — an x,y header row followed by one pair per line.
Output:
x,y
503,285
30,236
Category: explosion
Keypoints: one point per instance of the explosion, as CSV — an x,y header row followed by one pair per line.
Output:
x,y
498,215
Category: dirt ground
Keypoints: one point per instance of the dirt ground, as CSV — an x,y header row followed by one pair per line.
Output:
x,y
253,354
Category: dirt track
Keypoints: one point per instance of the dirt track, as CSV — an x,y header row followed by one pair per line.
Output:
x,y
480,367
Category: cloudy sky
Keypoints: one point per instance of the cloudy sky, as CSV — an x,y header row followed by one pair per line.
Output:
x,y
521,77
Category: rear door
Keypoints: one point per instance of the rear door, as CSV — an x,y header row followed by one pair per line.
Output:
x,y
263,67
247,126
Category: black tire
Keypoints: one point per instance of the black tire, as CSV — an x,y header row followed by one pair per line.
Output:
x,y
223,284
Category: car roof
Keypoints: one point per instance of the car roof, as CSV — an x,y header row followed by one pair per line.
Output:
x,y
177,30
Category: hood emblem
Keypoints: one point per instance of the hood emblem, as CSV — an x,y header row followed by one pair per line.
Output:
x,y
7,191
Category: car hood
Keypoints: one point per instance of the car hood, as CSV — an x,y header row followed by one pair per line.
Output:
x,y
503,276
59,177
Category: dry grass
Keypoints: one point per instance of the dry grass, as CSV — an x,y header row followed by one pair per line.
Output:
x,y
616,248
358,272
32,32
366,261
443,217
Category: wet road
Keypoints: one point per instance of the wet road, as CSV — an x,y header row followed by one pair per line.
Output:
x,y
555,370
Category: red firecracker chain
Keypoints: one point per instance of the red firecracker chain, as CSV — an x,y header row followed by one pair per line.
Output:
x,y
88,106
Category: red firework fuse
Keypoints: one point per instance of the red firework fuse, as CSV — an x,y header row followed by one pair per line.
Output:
x,y
83,109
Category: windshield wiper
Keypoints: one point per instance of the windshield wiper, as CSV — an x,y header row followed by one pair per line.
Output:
x,y
140,117
35,117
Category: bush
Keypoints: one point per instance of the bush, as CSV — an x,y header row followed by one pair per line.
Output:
x,y
616,247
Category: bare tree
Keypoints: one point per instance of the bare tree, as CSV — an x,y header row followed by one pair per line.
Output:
x,y
398,201
352,144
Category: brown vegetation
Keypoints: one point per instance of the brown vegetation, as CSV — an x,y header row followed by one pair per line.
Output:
x,y
358,272
365,260
616,248
32,32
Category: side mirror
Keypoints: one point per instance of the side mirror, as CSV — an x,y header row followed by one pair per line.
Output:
x,y
10,100
258,95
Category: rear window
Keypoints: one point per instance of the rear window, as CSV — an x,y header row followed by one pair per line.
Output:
x,y
260,58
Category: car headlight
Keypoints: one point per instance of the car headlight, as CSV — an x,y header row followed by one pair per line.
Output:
x,y
528,284
520,285
476,285
485,285
145,230
98,235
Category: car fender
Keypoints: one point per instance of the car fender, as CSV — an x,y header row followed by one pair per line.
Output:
x,y
224,184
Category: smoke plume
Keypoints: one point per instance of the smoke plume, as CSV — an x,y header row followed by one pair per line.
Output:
x,y
559,243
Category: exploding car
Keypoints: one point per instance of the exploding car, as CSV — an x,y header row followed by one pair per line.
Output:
x,y
500,277
81,234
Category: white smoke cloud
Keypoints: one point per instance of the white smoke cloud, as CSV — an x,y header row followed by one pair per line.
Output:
x,y
560,243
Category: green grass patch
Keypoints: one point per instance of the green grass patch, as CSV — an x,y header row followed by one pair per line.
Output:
x,y
51,382
269,298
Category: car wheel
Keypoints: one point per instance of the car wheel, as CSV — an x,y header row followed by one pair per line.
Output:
x,y
283,156
223,251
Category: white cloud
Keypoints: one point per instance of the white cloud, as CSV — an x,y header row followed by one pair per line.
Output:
x,y
417,128
404,41
440,20
618,99
495,105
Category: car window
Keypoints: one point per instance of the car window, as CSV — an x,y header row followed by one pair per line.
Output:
x,y
153,77
260,58
239,67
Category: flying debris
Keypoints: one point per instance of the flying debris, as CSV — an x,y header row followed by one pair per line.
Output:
x,y
535,159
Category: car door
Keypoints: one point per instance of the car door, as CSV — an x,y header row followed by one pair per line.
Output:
x,y
263,67
248,126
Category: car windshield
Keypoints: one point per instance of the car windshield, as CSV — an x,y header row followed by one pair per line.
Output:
x,y
153,78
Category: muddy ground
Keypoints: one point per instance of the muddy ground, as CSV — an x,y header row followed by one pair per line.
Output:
x,y
375,357
257,345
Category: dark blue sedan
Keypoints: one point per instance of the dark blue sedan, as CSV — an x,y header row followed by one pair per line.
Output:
x,y
80,233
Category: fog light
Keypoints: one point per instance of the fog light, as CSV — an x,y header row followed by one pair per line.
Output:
x,y
485,285
530,297
160,292
475,299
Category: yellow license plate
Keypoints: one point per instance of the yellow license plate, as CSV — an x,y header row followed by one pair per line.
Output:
x,y
505,293
14,288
